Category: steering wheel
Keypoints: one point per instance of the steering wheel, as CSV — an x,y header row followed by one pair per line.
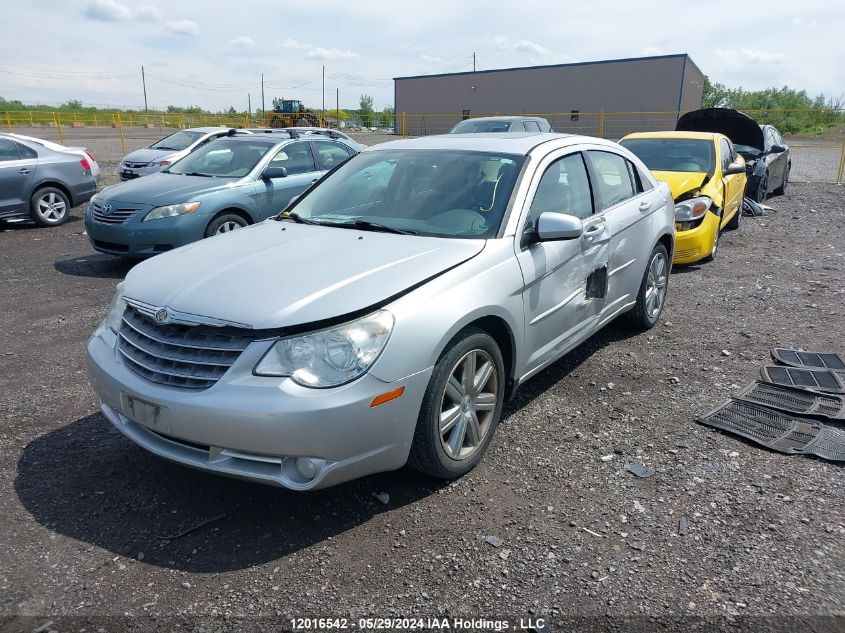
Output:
x,y
464,220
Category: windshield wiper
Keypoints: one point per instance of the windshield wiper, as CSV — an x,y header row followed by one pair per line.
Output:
x,y
196,173
172,149
295,217
375,226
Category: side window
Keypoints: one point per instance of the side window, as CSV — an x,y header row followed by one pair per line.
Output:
x,y
531,126
640,184
26,152
331,154
564,188
613,181
645,181
295,157
725,151
778,137
8,150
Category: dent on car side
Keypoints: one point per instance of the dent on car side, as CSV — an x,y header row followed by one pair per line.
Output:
x,y
535,300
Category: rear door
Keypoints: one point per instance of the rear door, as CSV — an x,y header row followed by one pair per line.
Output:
x,y
627,203
777,164
275,194
330,154
558,313
17,165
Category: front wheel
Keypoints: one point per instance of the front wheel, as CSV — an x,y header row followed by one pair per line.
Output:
x,y
652,295
461,407
224,224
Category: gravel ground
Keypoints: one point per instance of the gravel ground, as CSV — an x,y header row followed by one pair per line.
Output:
x,y
581,542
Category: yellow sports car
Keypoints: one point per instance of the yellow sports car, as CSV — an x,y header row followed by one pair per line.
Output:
x,y
707,178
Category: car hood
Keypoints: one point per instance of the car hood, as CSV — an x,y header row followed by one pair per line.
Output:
x,y
680,182
736,125
147,154
164,188
281,274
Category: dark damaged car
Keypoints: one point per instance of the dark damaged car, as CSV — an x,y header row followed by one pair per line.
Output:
x,y
767,159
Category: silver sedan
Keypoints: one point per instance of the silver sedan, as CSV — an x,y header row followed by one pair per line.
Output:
x,y
387,315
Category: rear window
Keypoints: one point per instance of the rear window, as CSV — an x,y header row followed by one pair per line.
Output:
x,y
472,127
673,154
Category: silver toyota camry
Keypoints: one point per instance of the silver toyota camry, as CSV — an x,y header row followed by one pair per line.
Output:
x,y
385,317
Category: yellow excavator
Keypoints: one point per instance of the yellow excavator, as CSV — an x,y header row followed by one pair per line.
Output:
x,y
291,113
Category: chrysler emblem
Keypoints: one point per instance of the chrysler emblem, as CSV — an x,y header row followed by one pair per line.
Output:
x,y
106,209
162,315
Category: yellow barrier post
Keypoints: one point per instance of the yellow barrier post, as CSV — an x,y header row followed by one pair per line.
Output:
x,y
8,121
404,127
841,174
31,122
122,139
601,124
59,127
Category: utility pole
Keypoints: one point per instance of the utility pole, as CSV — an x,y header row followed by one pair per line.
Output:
x,y
324,93
337,105
144,83
473,61
262,94
249,104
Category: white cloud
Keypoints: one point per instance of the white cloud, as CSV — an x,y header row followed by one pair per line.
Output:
x,y
746,55
528,49
107,11
317,52
182,27
244,43
650,51
431,59
149,13
802,23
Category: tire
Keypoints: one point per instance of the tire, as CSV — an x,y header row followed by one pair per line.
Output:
x,y
656,277
49,207
782,189
715,250
762,189
734,222
224,224
457,449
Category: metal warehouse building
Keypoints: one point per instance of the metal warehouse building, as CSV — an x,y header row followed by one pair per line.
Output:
x,y
605,98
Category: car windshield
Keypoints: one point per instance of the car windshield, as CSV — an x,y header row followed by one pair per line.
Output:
x,y
673,154
470,127
178,141
427,192
747,149
225,158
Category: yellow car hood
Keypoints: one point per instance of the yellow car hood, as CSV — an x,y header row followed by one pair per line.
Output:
x,y
680,182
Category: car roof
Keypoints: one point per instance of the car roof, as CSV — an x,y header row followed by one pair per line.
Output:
x,y
498,142
702,136
508,117
206,130
269,139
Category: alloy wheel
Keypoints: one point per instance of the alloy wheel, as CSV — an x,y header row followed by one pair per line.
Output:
x,y
468,404
51,208
656,284
226,227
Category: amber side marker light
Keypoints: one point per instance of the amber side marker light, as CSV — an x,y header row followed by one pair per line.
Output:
x,y
387,397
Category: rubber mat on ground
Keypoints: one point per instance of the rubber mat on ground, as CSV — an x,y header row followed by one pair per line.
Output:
x,y
794,400
777,430
800,358
818,379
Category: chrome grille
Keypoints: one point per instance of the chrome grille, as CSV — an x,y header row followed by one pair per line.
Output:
x,y
116,215
132,165
192,357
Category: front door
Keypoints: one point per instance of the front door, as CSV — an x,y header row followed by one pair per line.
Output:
x,y
274,195
733,185
558,311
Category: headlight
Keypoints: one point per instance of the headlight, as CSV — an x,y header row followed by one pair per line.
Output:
x,y
114,317
332,357
160,163
692,209
172,210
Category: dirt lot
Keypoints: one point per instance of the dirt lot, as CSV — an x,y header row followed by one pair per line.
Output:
x,y
84,513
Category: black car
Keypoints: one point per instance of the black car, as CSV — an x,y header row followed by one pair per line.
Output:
x,y
767,160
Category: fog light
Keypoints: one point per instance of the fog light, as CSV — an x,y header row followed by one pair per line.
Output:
x,y
307,467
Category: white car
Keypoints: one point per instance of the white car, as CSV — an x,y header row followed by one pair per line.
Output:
x,y
164,152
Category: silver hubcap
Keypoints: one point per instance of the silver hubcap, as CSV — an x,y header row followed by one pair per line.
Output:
x,y
226,227
51,207
468,404
656,282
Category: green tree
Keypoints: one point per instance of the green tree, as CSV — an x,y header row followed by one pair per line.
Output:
x,y
365,110
386,117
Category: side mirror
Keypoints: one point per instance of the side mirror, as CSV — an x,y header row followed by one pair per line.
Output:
x,y
734,168
777,149
274,171
558,226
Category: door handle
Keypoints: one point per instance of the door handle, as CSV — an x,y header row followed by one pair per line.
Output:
x,y
23,170
594,231
645,205
315,180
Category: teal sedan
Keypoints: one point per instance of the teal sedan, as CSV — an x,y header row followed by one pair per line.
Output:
x,y
224,185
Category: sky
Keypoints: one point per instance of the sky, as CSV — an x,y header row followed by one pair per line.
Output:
x,y
212,53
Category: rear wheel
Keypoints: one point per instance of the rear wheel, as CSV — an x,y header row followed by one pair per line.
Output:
x,y
461,407
224,224
49,207
762,189
652,295
782,189
734,222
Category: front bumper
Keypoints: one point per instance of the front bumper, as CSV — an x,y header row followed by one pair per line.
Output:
x,y
254,427
697,243
137,238
130,173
